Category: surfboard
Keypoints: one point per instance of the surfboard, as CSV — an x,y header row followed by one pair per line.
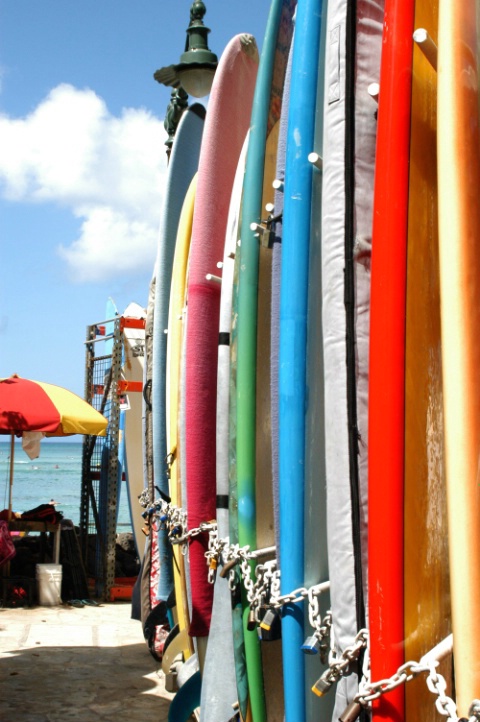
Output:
x,y
184,705
237,592
226,125
183,165
292,345
459,224
427,595
173,354
349,141
387,357
253,310
133,325
267,514
315,510
217,701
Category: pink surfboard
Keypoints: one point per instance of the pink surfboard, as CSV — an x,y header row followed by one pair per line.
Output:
x,y
228,119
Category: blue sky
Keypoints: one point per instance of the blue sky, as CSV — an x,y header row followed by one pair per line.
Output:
x,y
82,164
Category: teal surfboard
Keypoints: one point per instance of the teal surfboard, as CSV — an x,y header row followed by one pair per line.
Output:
x,y
265,114
186,700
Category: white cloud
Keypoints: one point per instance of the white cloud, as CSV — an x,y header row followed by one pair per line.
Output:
x,y
108,170
109,236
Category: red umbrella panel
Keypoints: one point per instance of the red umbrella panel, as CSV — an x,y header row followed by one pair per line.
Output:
x,y
35,406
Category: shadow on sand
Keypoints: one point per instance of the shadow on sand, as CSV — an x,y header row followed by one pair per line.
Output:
x,y
80,684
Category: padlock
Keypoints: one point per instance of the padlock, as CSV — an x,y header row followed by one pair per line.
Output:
x,y
324,684
324,650
266,239
171,680
252,620
311,645
213,563
270,628
351,713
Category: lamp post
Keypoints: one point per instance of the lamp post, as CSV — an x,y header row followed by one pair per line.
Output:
x,y
193,75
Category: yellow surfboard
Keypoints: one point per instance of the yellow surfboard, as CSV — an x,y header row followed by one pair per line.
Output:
x,y
174,344
459,233
427,597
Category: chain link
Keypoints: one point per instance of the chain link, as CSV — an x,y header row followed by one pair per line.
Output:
x,y
474,711
299,595
340,663
174,520
369,691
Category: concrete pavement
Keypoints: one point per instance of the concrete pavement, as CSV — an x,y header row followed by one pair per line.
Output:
x,y
64,664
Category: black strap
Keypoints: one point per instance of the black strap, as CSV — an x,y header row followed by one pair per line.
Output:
x,y
222,501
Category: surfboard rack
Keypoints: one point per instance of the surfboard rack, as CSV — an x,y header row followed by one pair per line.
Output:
x,y
374,91
130,322
315,160
264,229
426,45
125,387
256,554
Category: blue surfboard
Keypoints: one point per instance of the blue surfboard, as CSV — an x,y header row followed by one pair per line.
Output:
x,y
293,342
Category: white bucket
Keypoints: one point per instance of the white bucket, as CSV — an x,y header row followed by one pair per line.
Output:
x,y
49,582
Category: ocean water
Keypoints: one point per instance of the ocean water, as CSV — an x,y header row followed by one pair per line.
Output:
x,y
55,474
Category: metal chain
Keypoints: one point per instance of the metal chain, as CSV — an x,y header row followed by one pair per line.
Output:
x,y
202,528
369,691
265,573
438,686
267,582
373,690
340,663
214,553
144,498
321,627
174,519
474,711
299,595
267,586
247,578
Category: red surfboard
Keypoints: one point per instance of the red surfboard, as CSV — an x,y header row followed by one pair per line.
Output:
x,y
387,356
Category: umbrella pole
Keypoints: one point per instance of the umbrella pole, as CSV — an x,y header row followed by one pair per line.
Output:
x,y
12,453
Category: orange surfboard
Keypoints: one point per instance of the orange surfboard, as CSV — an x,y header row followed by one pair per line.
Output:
x,y
459,236
426,577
